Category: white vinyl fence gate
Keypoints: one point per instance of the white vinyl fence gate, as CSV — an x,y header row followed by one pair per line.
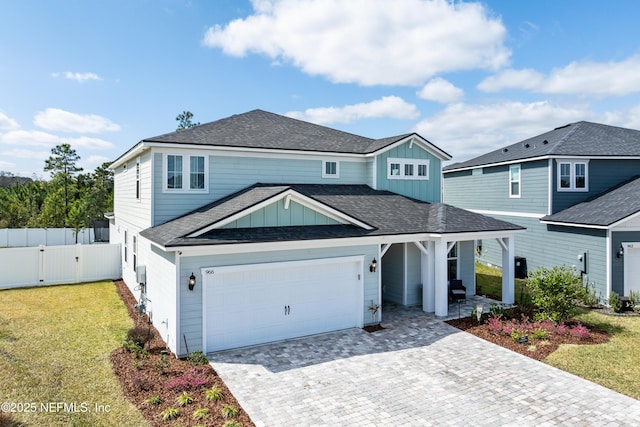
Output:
x,y
49,265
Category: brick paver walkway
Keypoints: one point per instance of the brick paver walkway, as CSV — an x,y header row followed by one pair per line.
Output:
x,y
419,371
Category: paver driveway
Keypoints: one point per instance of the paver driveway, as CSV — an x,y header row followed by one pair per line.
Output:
x,y
418,371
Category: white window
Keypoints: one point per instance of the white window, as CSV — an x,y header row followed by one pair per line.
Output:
x,y
514,181
185,173
407,168
330,169
135,251
125,246
573,176
138,179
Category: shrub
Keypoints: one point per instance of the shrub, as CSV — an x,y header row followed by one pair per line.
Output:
x,y
231,423
579,331
197,358
139,335
153,400
170,413
539,334
614,302
200,414
184,399
589,298
139,382
189,381
555,292
634,298
162,364
495,322
214,393
229,411
562,329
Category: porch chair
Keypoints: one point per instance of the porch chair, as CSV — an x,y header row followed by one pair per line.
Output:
x,y
457,291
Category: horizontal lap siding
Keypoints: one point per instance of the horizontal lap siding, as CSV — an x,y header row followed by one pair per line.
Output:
x,y
135,212
488,189
228,175
426,190
548,246
161,289
603,175
191,302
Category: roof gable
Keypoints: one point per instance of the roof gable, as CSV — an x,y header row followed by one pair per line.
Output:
x,y
581,139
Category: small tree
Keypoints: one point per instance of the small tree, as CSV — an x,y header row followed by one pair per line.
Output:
x,y
555,292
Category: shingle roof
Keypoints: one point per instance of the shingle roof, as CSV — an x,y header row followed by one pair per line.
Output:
x,y
262,129
607,208
575,139
388,213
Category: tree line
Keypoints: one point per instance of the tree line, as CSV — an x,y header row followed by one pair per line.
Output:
x,y
69,199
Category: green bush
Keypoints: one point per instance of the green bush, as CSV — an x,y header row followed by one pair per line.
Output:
x,y
589,298
634,298
614,302
197,358
555,292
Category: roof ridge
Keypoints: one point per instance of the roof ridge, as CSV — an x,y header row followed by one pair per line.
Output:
x,y
573,127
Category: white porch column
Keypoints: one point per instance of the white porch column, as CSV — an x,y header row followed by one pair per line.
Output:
x,y
428,278
508,270
440,277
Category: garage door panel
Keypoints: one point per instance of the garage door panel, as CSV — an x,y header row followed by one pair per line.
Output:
x,y
249,307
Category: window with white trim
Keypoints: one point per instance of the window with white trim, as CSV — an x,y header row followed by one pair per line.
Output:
x,y
452,263
573,176
407,168
330,169
185,173
125,246
135,251
514,181
138,179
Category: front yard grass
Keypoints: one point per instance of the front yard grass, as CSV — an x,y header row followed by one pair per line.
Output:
x,y
616,364
54,352
489,283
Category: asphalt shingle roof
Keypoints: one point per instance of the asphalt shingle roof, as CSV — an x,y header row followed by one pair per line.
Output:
x,y
262,129
604,209
388,213
575,139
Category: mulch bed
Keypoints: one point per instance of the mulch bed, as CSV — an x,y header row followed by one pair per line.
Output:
x,y
535,349
149,377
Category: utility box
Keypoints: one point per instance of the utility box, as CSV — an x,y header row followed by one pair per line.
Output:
x,y
520,270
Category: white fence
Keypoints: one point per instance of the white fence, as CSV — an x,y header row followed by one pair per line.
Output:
x,y
48,265
26,237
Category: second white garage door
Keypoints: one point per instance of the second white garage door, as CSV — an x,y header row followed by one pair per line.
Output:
x,y
259,303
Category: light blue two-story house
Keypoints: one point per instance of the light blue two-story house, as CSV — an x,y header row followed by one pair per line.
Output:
x,y
258,227
576,189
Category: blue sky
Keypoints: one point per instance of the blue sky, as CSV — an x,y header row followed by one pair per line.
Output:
x,y
468,76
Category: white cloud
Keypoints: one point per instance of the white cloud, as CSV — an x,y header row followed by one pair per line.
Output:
x,y
386,107
92,162
55,119
597,79
27,154
7,166
7,123
370,42
440,90
79,77
36,138
466,131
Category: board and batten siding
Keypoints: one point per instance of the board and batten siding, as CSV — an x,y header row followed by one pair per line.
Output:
x,y
488,188
426,190
275,215
547,246
229,174
392,266
191,301
135,212
602,175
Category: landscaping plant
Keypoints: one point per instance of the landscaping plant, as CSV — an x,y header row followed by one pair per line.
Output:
x,y
555,292
614,302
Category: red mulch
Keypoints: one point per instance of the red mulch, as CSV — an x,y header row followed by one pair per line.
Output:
x,y
542,350
150,378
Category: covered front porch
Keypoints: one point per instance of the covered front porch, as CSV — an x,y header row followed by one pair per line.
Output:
x,y
418,273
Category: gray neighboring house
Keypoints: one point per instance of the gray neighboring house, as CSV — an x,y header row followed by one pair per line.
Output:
x,y
259,227
576,189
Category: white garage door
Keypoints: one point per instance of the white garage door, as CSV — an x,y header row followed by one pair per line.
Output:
x,y
631,267
259,303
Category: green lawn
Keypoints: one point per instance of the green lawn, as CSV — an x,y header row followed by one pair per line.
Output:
x,y
615,365
54,355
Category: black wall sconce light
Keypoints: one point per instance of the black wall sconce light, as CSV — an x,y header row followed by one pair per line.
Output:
x,y
192,282
373,265
620,252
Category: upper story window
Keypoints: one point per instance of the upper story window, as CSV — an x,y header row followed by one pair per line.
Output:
x,y
183,173
407,168
514,181
572,176
138,179
330,169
